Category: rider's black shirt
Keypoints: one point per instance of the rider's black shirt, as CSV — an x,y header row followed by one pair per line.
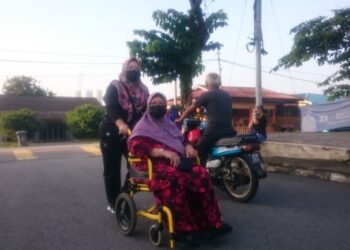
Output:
x,y
218,105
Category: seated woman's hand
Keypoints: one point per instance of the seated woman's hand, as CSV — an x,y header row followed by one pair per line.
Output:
x,y
173,158
190,152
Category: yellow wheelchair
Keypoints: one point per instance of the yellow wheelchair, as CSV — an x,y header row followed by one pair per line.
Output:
x,y
127,213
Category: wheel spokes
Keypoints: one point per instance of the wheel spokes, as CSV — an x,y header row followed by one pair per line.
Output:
x,y
124,213
238,180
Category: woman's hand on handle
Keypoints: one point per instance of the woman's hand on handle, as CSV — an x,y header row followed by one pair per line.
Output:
x,y
122,126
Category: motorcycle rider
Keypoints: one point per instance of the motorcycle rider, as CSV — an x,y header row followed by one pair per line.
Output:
x,y
218,105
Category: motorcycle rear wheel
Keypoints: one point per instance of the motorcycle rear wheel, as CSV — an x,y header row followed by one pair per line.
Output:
x,y
241,182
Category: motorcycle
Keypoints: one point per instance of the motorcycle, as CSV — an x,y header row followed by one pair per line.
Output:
x,y
234,164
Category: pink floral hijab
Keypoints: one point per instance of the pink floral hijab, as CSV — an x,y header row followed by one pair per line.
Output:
x,y
138,91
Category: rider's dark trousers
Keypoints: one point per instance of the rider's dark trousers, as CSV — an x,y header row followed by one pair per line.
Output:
x,y
210,135
112,149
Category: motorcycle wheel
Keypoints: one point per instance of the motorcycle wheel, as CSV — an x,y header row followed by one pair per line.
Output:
x,y
241,182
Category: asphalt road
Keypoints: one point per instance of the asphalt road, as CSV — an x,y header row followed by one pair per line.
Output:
x,y
55,200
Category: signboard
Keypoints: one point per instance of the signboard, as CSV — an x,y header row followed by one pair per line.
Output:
x,y
320,117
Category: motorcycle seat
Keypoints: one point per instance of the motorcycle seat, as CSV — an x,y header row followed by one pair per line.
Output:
x,y
237,140
191,123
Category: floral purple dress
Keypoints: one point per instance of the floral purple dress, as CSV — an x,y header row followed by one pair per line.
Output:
x,y
189,194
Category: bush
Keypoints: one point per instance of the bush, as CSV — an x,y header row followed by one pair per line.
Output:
x,y
83,121
21,119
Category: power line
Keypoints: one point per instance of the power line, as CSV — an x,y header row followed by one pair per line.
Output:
x,y
57,53
306,73
280,38
266,72
54,62
111,63
239,36
291,71
277,27
61,76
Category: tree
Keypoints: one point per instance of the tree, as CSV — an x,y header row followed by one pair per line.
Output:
x,y
24,86
176,52
83,121
21,119
327,40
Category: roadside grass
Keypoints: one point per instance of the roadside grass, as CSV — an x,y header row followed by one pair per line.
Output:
x,y
93,140
8,144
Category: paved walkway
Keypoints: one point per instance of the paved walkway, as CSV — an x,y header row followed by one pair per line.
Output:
x,y
331,170
333,139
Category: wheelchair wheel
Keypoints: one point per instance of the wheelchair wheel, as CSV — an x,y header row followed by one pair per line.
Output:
x,y
125,212
155,234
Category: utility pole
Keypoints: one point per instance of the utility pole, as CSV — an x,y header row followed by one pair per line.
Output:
x,y
219,62
175,92
79,92
258,43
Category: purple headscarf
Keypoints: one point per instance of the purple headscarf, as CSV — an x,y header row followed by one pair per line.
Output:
x,y
138,90
161,130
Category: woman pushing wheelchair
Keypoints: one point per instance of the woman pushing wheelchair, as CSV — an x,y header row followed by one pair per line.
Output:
x,y
178,182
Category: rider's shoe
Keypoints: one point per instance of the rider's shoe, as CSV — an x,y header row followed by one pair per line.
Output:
x,y
261,173
110,209
223,230
190,239
217,232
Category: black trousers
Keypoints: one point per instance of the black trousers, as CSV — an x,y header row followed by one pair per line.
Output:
x,y
210,135
113,147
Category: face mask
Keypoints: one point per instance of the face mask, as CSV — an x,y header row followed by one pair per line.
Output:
x,y
157,112
133,75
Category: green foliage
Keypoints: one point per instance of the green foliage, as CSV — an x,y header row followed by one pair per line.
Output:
x,y
327,40
83,121
22,119
24,86
175,51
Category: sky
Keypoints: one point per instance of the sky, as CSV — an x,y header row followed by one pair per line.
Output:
x,y
79,45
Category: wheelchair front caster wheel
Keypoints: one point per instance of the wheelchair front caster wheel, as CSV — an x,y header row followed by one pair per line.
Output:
x,y
125,212
155,234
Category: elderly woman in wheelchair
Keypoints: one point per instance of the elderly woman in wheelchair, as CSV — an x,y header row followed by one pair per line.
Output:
x,y
182,188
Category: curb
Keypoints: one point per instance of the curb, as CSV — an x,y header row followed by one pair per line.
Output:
x,y
312,173
304,151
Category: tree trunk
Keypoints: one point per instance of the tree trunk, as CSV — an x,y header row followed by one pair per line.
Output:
x,y
186,89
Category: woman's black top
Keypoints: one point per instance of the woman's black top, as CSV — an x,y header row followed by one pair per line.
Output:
x,y
115,112
260,128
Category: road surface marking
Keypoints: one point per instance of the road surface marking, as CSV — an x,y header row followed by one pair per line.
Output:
x,y
92,150
24,154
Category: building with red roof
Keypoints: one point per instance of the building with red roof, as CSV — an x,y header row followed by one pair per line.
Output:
x,y
282,110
